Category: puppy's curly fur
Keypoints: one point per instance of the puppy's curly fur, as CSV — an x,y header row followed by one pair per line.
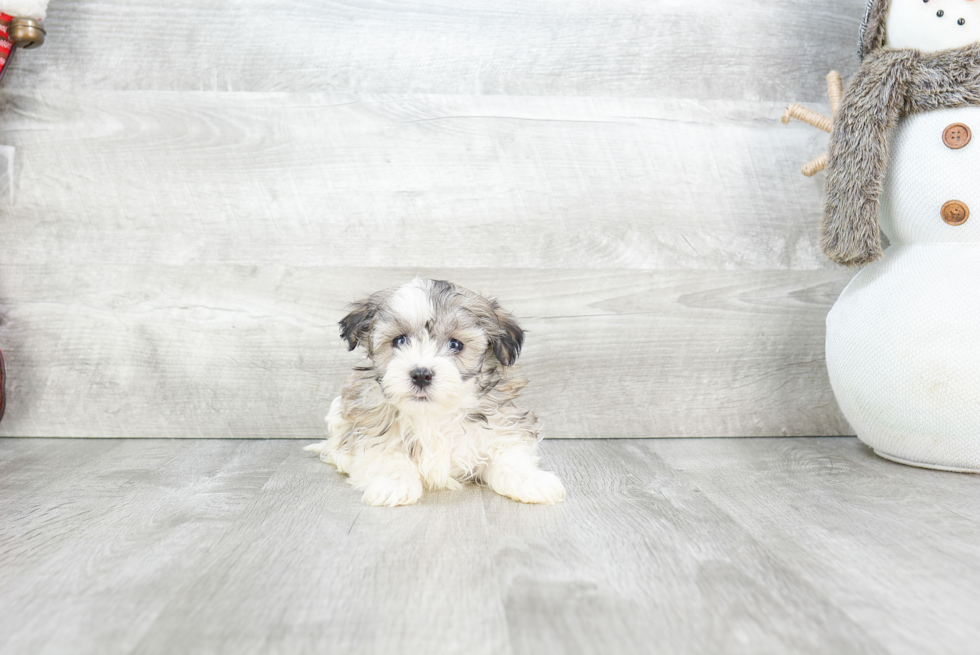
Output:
x,y
435,404
890,84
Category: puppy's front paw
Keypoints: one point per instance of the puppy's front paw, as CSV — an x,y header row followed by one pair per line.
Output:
x,y
392,490
341,460
529,486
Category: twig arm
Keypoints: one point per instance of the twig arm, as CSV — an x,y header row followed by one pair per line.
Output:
x,y
808,116
813,167
835,89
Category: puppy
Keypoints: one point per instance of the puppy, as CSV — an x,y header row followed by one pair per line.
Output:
x,y
435,403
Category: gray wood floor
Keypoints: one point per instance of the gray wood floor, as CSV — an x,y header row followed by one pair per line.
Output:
x,y
663,546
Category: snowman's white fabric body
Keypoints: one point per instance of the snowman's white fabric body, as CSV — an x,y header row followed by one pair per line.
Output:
x,y
903,339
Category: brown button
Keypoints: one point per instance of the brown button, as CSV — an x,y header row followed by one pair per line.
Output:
x,y
956,136
955,212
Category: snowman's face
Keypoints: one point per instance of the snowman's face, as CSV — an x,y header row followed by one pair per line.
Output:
x,y
931,25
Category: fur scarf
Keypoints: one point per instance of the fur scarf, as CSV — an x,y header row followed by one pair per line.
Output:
x,y
890,84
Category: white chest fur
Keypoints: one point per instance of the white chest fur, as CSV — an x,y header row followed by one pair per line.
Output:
x,y
446,449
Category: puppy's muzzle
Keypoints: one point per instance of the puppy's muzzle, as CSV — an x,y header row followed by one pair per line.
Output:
x,y
422,377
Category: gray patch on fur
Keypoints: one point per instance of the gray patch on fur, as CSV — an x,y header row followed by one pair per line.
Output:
x,y
890,84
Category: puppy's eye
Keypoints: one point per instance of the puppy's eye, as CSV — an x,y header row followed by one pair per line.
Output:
x,y
456,345
400,341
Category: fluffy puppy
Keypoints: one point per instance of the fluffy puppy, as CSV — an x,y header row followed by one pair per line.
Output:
x,y
435,403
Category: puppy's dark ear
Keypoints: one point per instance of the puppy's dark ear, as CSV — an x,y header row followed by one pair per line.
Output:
x,y
356,326
508,339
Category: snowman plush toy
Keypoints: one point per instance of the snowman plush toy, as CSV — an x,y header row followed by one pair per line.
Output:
x,y
903,339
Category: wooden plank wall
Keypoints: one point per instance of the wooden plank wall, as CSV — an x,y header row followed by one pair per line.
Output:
x,y
201,187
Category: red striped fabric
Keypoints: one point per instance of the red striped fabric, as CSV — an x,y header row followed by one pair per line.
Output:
x,y
5,45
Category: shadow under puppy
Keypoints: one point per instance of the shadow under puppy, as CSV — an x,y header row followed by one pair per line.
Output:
x,y
434,405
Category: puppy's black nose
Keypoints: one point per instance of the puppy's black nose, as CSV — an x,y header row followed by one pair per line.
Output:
x,y
422,377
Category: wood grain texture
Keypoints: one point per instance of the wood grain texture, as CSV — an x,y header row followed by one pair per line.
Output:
x,y
640,557
236,351
429,181
693,546
201,187
108,534
369,581
863,531
713,49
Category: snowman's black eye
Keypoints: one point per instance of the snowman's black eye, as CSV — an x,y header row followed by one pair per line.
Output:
x,y
940,13
961,21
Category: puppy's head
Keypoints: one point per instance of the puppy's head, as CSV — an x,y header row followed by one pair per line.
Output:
x,y
429,340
